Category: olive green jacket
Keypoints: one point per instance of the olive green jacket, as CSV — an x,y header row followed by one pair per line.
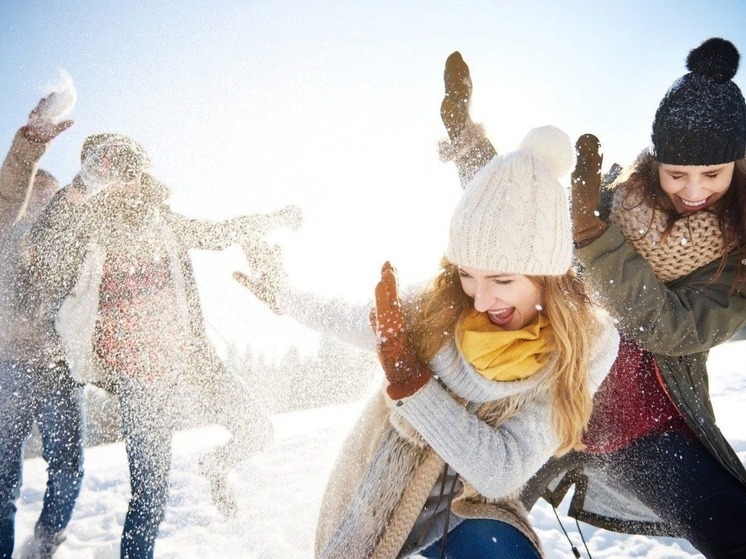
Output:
x,y
678,323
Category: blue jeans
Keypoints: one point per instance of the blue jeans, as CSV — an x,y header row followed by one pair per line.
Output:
x,y
54,400
483,539
147,425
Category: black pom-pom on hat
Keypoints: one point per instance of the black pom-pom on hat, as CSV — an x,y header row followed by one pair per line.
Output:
x,y
702,118
716,58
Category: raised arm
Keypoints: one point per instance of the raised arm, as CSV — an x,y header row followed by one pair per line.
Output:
x,y
20,164
337,317
468,145
218,235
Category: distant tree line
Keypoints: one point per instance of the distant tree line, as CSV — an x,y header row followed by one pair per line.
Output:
x,y
338,373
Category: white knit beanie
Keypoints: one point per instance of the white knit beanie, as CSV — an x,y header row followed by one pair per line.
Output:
x,y
514,215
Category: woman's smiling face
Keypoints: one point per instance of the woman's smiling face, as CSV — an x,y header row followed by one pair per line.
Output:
x,y
511,301
692,188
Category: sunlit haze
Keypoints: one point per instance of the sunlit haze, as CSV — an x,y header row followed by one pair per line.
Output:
x,y
245,106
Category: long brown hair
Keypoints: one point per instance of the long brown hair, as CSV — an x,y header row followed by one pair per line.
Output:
x,y
441,306
644,181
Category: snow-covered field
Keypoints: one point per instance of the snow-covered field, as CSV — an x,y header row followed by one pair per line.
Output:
x,y
280,490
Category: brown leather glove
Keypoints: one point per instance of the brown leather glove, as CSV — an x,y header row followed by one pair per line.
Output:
x,y
405,373
469,147
586,185
454,109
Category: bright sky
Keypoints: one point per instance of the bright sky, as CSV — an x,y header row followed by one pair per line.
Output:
x,y
246,106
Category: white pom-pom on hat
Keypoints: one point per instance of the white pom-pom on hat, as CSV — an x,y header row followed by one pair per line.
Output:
x,y
553,147
514,215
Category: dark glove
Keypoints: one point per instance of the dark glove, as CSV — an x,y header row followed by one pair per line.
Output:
x,y
586,185
268,279
454,109
469,147
404,371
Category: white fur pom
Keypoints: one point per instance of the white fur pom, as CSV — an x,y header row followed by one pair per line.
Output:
x,y
553,147
62,97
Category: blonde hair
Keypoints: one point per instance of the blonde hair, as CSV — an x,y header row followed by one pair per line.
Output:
x,y
441,306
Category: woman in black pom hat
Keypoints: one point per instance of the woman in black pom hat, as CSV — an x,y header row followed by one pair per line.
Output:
x,y
668,256
664,246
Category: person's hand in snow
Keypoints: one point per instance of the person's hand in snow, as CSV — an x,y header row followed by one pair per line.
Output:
x,y
404,371
586,185
268,278
469,147
41,128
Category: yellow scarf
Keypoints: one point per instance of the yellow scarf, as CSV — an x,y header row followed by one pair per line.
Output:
x,y
504,355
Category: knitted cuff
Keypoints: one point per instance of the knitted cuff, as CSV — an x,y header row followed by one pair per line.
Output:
x,y
470,136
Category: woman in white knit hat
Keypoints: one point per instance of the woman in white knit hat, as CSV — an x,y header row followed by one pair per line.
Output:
x,y
489,372
666,252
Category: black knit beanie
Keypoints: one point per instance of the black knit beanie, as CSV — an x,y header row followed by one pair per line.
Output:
x,y
702,118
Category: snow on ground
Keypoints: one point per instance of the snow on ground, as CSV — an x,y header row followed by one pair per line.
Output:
x,y
280,490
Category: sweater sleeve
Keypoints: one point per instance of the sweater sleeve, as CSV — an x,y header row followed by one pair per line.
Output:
x,y
495,462
204,234
219,235
689,315
337,317
16,176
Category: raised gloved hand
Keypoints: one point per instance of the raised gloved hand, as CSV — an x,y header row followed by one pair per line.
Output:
x,y
405,373
40,128
454,109
469,147
268,279
586,185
